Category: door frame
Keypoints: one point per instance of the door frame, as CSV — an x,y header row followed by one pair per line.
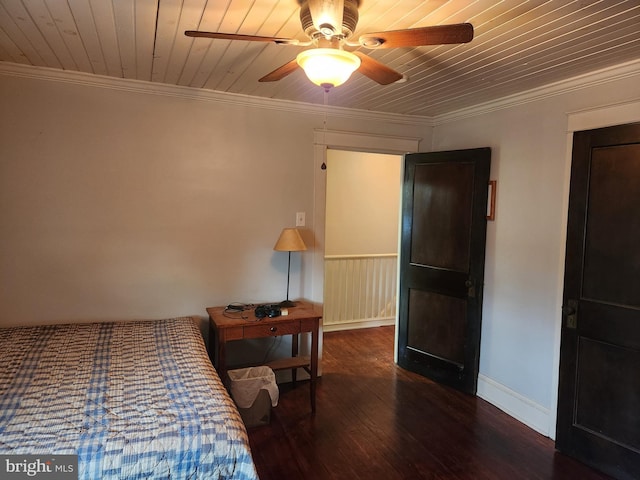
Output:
x,y
342,140
576,121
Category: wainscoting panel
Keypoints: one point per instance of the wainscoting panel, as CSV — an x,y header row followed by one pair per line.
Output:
x,y
360,291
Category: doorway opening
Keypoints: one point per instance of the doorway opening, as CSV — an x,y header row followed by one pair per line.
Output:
x,y
348,141
361,239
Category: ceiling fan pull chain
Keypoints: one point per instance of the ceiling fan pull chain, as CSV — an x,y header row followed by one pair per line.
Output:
x,y
324,121
324,124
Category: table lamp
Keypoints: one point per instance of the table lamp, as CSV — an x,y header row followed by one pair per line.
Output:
x,y
289,241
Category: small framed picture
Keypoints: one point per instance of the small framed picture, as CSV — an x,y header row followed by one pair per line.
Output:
x,y
491,201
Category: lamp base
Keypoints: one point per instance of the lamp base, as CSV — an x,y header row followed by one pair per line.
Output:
x,y
287,304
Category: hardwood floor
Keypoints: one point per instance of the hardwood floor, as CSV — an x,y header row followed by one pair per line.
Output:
x,y
375,420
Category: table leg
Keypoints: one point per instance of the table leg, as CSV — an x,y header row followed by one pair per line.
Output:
x,y
294,353
221,360
314,366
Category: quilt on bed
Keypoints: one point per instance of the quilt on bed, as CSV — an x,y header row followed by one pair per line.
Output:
x,y
135,399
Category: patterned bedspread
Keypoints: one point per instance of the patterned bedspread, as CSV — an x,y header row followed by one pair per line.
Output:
x,y
133,399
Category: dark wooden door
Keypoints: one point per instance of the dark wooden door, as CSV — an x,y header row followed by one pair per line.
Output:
x,y
599,385
444,209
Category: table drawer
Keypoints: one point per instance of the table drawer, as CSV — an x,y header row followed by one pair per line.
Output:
x,y
272,330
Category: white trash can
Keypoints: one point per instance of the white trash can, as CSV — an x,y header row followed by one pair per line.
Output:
x,y
255,391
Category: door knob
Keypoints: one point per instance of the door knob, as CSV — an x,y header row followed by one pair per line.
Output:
x,y
471,289
570,311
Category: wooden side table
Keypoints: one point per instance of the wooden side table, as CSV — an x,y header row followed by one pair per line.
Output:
x,y
304,317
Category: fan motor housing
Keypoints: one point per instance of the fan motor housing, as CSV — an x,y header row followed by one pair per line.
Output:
x,y
349,19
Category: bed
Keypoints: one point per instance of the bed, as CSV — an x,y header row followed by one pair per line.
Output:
x,y
137,399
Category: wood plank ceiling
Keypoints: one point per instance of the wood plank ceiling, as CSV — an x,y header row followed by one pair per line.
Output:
x,y
518,45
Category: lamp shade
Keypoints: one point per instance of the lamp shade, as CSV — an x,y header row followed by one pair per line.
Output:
x,y
290,241
328,67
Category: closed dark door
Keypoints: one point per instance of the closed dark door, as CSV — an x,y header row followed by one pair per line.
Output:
x,y
444,209
599,387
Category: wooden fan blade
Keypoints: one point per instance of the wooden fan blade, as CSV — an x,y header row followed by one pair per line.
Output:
x,y
281,72
376,71
417,37
235,36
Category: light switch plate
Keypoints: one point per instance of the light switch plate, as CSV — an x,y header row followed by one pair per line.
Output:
x,y
300,219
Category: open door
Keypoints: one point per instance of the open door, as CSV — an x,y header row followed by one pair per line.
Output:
x,y
599,384
442,247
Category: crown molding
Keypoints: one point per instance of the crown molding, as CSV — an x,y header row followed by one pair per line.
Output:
x,y
199,94
597,77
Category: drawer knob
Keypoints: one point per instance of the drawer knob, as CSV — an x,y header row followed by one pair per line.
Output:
x,y
274,329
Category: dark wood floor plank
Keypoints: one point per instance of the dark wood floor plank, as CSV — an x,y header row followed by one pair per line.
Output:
x,y
375,420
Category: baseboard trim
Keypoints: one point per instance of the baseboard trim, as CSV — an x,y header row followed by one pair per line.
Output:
x,y
378,322
518,406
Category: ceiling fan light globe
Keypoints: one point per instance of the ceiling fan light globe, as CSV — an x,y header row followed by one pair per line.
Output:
x,y
328,66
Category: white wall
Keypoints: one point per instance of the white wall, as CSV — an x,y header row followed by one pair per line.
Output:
x,y
121,199
363,201
525,244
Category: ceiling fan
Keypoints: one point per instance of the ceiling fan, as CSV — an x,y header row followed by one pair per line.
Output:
x,y
329,24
